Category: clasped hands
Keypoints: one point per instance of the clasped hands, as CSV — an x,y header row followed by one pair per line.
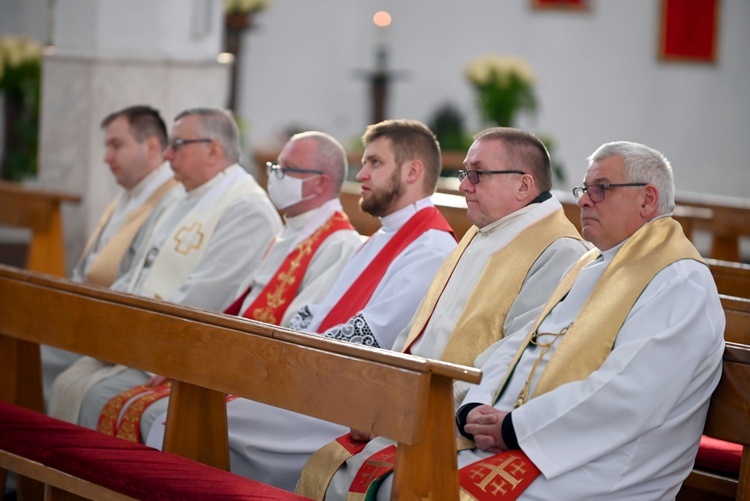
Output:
x,y
485,423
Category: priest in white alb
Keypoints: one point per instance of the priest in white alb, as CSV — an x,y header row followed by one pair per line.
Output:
x,y
196,254
304,261
604,396
134,139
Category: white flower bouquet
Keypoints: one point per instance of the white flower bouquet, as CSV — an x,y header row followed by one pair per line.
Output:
x,y
504,86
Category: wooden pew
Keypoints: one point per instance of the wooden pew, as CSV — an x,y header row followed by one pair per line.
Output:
x,y
730,221
737,311
209,355
41,212
732,279
728,419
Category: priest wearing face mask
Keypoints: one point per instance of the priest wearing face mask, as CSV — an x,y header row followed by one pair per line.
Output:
x,y
373,299
300,266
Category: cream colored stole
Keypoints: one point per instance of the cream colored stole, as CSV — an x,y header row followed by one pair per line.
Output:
x,y
592,335
483,317
103,270
185,247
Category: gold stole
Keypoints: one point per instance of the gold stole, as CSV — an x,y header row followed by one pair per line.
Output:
x,y
482,319
479,325
103,270
590,338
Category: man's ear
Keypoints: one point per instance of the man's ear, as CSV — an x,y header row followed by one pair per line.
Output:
x,y
649,202
216,151
526,190
414,171
153,146
321,184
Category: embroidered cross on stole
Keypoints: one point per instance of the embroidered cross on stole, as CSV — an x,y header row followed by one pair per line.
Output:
x,y
274,299
268,307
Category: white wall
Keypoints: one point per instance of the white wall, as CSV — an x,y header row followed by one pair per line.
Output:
x,y
599,78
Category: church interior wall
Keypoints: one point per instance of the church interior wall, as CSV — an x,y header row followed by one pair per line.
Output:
x,y
304,65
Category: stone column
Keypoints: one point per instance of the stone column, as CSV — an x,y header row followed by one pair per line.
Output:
x,y
109,55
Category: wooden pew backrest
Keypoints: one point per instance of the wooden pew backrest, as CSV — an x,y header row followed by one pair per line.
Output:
x,y
732,279
208,355
737,311
41,212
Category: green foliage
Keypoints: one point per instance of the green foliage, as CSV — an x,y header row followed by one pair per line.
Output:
x,y
448,125
20,82
504,86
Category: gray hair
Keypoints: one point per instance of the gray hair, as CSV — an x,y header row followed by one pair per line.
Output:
x,y
219,125
642,165
329,156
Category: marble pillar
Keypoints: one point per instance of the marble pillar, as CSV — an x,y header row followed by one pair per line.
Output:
x,y
109,55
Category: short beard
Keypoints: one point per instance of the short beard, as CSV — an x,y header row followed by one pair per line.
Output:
x,y
380,201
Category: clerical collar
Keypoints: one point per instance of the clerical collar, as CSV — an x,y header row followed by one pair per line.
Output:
x,y
203,189
545,195
300,220
513,216
392,222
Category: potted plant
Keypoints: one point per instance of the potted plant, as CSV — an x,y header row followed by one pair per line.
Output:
x,y
504,86
20,82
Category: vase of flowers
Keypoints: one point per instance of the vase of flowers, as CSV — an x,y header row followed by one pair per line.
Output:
x,y
20,82
238,13
504,86
238,16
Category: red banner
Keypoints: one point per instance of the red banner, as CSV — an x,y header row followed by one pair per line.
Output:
x,y
689,30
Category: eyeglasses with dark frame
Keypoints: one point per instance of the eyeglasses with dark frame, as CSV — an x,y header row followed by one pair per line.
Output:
x,y
176,143
596,191
475,175
279,172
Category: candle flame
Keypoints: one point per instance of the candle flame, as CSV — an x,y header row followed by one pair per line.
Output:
x,y
381,18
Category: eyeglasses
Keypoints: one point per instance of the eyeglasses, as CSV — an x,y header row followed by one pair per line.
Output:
x,y
596,191
474,175
279,172
176,143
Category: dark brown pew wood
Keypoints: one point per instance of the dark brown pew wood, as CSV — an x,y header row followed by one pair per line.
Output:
x,y
732,279
209,355
728,419
737,311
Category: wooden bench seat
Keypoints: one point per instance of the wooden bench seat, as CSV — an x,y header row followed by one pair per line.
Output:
x,y
209,355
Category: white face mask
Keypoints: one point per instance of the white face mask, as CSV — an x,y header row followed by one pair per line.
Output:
x,y
286,191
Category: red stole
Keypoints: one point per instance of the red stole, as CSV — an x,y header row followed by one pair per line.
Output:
x,y
501,477
269,307
274,299
360,292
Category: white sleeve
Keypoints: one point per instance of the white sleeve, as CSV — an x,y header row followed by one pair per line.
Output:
x,y
665,364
